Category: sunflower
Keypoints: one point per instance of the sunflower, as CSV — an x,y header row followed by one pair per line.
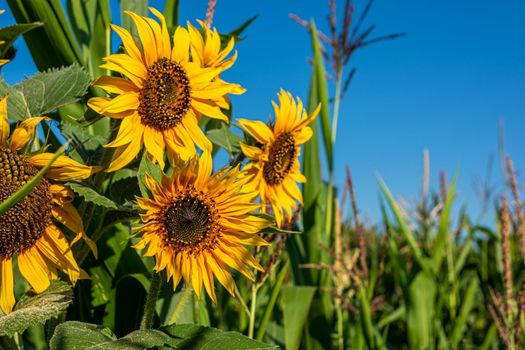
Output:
x,y
163,97
27,229
274,168
206,48
197,224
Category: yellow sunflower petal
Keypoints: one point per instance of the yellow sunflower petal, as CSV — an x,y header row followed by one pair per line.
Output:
x,y
4,124
7,287
126,132
146,38
165,48
250,151
209,110
154,143
125,154
115,85
129,43
24,133
223,275
181,45
64,168
260,131
33,267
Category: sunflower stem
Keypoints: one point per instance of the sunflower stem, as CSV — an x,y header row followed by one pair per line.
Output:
x,y
183,301
151,301
251,329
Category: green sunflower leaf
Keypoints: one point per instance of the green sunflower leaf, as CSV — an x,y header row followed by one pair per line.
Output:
x,y
92,196
147,167
225,138
10,33
84,336
46,91
34,309
190,336
17,108
79,336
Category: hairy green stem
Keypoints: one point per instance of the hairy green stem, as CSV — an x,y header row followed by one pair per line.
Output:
x,y
183,301
151,301
253,305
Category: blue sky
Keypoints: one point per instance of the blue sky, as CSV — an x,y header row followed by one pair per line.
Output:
x,y
444,87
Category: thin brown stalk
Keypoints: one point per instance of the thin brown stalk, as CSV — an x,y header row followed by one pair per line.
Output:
x,y
358,227
518,205
505,247
443,185
521,312
426,174
502,331
210,11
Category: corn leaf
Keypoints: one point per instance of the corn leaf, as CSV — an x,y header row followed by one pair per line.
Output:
x,y
296,304
322,93
442,235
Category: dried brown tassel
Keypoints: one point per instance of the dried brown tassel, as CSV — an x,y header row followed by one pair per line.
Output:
x,y
505,247
210,11
358,227
518,204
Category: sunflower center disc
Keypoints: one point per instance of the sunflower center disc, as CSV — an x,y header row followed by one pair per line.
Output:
x,y
25,222
166,96
188,221
280,160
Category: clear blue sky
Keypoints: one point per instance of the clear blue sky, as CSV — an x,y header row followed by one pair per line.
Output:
x,y
444,87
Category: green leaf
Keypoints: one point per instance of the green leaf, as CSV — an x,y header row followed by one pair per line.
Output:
x,y
420,312
322,93
296,304
140,7
10,33
225,138
49,90
442,235
418,255
171,14
467,305
194,337
75,335
366,319
236,33
52,45
139,340
147,167
35,309
29,185
17,108
90,195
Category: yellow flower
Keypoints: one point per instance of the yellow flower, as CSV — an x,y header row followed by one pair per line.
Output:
x,y
206,48
197,224
163,97
27,230
274,169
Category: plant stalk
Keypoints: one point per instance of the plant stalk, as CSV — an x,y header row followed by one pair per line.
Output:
x,y
251,328
151,301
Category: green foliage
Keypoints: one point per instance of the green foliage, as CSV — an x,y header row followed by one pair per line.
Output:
x,y
189,336
90,195
54,88
36,309
296,306
9,34
225,138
